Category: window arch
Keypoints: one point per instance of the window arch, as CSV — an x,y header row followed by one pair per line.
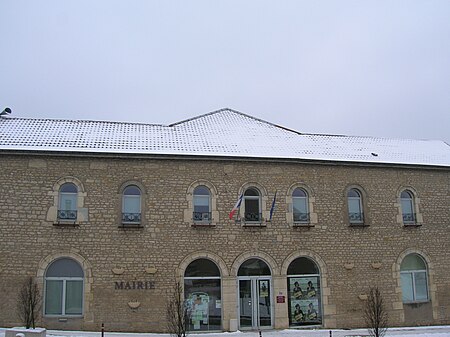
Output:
x,y
64,288
414,279
355,206
407,207
202,204
252,205
67,202
201,197
304,292
202,293
254,267
131,205
300,206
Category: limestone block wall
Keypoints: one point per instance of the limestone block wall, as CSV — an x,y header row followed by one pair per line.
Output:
x,y
351,258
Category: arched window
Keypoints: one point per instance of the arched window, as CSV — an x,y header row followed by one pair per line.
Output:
x,y
407,203
300,206
304,293
252,205
131,205
254,267
64,283
202,292
67,204
355,210
414,277
202,204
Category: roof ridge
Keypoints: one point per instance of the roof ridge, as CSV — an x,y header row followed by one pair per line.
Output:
x,y
238,113
203,115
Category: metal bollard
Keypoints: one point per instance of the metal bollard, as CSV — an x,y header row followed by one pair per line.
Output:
x,y
331,334
103,329
260,335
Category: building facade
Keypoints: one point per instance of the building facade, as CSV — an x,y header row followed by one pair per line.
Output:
x,y
107,231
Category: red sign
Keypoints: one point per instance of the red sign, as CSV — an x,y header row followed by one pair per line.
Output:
x,y
281,299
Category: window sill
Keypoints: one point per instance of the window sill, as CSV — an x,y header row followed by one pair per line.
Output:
x,y
412,224
417,302
358,224
66,223
253,224
203,224
130,226
302,224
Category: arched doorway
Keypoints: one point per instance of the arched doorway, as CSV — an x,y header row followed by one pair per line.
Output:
x,y
255,293
305,301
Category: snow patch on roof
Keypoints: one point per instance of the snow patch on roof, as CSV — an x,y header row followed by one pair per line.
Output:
x,y
220,133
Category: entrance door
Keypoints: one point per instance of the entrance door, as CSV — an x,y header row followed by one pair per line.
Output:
x,y
254,303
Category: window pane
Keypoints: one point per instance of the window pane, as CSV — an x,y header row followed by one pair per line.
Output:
x,y
53,297
251,206
202,267
254,267
420,280
353,194
299,205
132,190
298,192
407,287
406,195
251,192
74,297
203,298
64,268
68,202
201,201
302,266
69,188
201,190
407,206
354,206
131,204
413,262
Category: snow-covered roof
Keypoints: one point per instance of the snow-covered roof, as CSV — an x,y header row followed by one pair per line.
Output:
x,y
222,133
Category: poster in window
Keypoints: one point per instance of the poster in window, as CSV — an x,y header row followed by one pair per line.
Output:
x,y
198,303
304,300
303,287
263,288
298,314
312,312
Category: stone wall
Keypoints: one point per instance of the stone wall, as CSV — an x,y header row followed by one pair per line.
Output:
x,y
351,258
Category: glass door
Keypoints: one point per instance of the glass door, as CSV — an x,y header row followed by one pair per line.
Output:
x,y
255,308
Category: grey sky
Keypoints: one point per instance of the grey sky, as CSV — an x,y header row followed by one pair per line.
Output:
x,y
373,68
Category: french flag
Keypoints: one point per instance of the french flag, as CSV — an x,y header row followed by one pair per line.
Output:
x,y
236,207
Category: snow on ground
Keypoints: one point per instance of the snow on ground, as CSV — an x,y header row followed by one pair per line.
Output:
x,y
433,331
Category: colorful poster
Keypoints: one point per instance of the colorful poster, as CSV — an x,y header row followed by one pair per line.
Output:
x,y
199,306
304,300
303,287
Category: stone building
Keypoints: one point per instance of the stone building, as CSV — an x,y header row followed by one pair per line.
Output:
x,y
107,216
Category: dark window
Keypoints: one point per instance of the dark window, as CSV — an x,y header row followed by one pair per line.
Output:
x,y
252,205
